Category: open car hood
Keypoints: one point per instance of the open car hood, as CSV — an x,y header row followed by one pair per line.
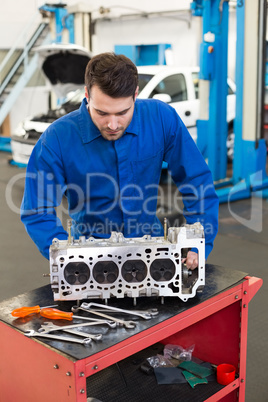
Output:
x,y
64,66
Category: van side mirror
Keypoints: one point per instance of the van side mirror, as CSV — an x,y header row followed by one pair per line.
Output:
x,y
163,97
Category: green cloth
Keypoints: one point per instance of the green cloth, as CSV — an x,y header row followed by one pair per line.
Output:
x,y
196,369
193,380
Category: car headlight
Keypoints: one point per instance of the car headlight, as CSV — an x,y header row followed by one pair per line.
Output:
x,y
20,131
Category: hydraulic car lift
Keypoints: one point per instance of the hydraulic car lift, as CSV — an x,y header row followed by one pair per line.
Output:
x,y
249,164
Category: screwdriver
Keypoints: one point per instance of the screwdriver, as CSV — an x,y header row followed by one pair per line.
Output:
x,y
44,312
51,313
55,314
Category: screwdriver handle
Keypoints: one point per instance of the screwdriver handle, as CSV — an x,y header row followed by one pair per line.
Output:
x,y
24,311
55,314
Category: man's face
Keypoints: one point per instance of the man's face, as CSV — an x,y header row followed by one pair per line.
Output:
x,y
110,115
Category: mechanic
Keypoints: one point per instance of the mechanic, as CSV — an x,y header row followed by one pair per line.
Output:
x,y
106,158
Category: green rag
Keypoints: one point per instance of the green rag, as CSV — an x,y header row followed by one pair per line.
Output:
x,y
193,380
196,369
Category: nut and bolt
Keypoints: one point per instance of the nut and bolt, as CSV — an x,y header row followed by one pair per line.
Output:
x,y
244,305
68,373
236,297
56,367
82,391
81,374
95,367
245,292
242,380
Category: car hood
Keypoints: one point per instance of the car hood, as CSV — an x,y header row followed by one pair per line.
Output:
x,y
63,66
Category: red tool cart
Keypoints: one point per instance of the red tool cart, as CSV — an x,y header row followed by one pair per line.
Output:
x,y
39,369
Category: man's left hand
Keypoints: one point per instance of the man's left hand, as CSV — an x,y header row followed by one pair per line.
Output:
x,y
191,261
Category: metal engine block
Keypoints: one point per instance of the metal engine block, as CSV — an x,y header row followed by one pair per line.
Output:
x,y
121,267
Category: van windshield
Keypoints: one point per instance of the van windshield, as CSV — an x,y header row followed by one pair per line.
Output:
x,y
143,80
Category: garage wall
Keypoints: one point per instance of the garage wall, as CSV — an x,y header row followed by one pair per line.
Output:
x,y
15,15
181,35
120,23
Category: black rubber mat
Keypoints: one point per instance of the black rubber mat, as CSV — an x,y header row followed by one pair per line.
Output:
x,y
218,279
125,382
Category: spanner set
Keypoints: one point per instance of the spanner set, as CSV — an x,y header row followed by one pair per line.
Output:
x,y
48,329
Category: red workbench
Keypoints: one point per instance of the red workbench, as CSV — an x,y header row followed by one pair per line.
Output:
x,y
46,370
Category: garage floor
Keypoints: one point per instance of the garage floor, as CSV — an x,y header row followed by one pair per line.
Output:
x,y
242,244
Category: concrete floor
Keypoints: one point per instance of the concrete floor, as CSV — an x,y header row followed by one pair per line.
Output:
x,y
241,244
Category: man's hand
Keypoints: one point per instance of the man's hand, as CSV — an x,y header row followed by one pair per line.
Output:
x,y
191,261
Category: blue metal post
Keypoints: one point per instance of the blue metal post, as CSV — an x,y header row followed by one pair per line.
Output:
x,y
60,14
69,24
239,78
212,133
218,127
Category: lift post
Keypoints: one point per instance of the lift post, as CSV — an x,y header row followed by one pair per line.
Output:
x,y
58,15
212,125
249,164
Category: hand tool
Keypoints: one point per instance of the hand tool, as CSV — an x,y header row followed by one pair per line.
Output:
x,y
112,324
54,314
145,315
126,324
24,311
153,311
31,333
58,315
48,327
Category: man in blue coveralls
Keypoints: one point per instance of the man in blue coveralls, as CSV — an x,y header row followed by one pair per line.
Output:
x,y
106,158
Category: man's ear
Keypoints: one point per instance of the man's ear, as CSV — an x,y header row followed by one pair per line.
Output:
x,y
86,93
136,93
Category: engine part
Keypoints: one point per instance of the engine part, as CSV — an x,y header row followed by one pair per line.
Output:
x,y
128,267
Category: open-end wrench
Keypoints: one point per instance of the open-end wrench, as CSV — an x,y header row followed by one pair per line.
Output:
x,y
87,307
126,324
111,324
85,341
108,322
145,315
153,312
48,327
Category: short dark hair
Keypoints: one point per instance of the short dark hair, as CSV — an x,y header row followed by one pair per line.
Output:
x,y
115,75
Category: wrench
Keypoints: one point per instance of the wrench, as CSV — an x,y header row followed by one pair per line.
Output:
x,y
126,324
48,327
153,312
111,324
85,341
145,315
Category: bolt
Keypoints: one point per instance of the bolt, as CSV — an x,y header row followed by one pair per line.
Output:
x,y
236,297
242,380
245,293
56,367
95,367
68,373
81,374
244,305
82,391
